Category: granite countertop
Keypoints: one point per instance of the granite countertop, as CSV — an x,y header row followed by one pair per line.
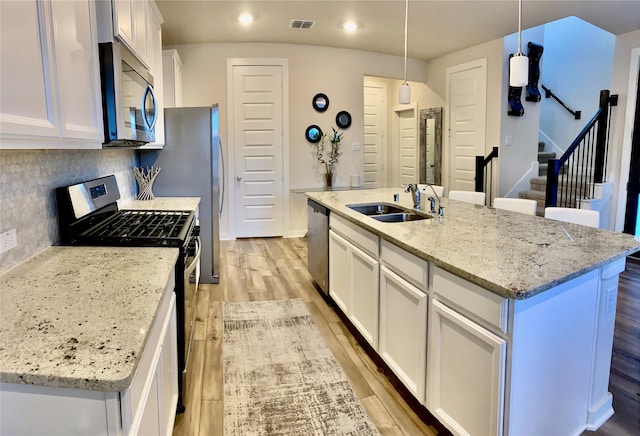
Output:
x,y
163,203
78,317
511,254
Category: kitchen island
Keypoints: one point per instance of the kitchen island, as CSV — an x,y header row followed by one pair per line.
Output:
x,y
497,322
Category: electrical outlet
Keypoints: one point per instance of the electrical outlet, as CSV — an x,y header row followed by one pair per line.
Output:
x,y
8,240
610,305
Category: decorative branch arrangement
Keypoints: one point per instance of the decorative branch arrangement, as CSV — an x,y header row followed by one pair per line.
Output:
x,y
145,178
329,157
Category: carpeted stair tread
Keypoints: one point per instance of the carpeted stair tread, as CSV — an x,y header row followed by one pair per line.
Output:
x,y
532,195
538,183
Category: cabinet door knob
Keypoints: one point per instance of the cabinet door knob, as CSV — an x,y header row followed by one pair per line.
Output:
x,y
238,178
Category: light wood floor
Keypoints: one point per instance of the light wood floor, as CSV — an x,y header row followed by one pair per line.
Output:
x,y
275,268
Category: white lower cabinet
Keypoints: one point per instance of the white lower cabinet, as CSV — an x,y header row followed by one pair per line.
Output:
x,y
353,285
154,389
167,379
403,330
339,274
466,373
364,294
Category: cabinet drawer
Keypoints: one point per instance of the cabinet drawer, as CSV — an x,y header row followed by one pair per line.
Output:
x,y
405,264
474,301
364,239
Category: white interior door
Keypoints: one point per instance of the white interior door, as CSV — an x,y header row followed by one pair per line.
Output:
x,y
375,134
407,145
467,103
258,150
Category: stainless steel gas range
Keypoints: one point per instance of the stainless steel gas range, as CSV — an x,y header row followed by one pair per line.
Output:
x,y
88,214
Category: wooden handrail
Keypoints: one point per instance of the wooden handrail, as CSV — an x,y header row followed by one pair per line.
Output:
x,y
548,93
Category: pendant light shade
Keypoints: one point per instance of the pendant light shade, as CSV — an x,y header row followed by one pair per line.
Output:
x,y
519,63
518,70
405,93
405,89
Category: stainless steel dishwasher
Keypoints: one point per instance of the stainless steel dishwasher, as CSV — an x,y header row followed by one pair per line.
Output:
x,y
318,244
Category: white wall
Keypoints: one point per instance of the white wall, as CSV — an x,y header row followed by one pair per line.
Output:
x,y
338,73
515,160
624,75
577,64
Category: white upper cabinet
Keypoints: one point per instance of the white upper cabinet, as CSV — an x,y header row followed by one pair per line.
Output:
x,y
130,22
155,63
172,78
50,84
27,90
74,33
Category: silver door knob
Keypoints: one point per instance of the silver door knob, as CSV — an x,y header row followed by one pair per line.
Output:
x,y
238,178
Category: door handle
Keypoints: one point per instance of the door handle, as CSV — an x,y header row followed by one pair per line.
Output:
x,y
238,178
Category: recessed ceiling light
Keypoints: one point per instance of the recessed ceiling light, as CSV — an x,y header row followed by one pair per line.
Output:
x,y
350,26
245,19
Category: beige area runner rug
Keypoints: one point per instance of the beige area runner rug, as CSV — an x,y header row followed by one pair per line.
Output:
x,y
280,377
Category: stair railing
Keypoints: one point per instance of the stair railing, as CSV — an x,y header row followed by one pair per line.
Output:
x,y
484,174
572,177
548,93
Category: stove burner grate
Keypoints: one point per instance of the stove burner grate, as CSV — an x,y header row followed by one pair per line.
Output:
x,y
143,227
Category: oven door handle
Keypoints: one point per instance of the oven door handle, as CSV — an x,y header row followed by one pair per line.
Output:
x,y
196,258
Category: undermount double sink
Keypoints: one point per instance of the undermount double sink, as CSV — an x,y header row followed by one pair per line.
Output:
x,y
389,213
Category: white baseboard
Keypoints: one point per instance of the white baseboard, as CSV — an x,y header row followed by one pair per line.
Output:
x,y
597,417
301,233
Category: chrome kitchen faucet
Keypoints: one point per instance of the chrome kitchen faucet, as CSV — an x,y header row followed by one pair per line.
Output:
x,y
415,194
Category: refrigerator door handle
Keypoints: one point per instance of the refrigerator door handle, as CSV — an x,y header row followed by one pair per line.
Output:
x,y
222,179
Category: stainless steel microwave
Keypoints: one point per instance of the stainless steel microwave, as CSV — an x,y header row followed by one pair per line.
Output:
x,y
129,105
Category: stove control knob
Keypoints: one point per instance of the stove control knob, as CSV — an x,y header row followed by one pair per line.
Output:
x,y
196,231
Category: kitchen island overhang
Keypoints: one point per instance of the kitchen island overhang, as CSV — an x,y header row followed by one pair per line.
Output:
x,y
559,283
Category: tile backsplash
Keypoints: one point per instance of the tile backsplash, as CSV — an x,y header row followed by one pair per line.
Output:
x,y
27,191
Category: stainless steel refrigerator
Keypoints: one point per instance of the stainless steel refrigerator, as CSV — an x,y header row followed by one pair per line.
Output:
x,y
192,165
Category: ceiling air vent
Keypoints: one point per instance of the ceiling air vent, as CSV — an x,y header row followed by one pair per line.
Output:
x,y
301,24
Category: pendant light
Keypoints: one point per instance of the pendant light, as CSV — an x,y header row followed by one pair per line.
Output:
x,y
519,63
405,89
